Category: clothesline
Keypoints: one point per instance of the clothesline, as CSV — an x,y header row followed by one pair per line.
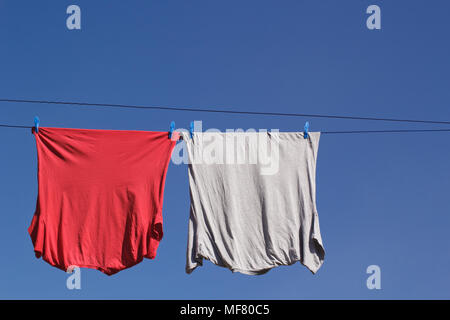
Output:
x,y
322,132
109,105
248,113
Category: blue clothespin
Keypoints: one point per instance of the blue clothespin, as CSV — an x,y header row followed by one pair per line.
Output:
x,y
36,124
172,127
191,129
306,130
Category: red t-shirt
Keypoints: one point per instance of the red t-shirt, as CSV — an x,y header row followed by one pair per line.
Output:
x,y
100,197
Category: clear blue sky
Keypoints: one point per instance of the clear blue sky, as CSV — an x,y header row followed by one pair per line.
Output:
x,y
382,199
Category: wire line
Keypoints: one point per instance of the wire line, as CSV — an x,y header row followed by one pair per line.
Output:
x,y
322,132
14,126
386,131
305,115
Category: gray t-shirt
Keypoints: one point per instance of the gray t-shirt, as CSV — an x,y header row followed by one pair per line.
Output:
x,y
253,200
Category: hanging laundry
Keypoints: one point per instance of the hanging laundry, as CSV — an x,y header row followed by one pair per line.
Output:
x,y
253,201
100,197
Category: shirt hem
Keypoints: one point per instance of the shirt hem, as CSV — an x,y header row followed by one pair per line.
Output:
x,y
312,268
151,255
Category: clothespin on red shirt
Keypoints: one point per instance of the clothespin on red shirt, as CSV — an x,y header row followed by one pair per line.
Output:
x,y
172,127
36,124
174,135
